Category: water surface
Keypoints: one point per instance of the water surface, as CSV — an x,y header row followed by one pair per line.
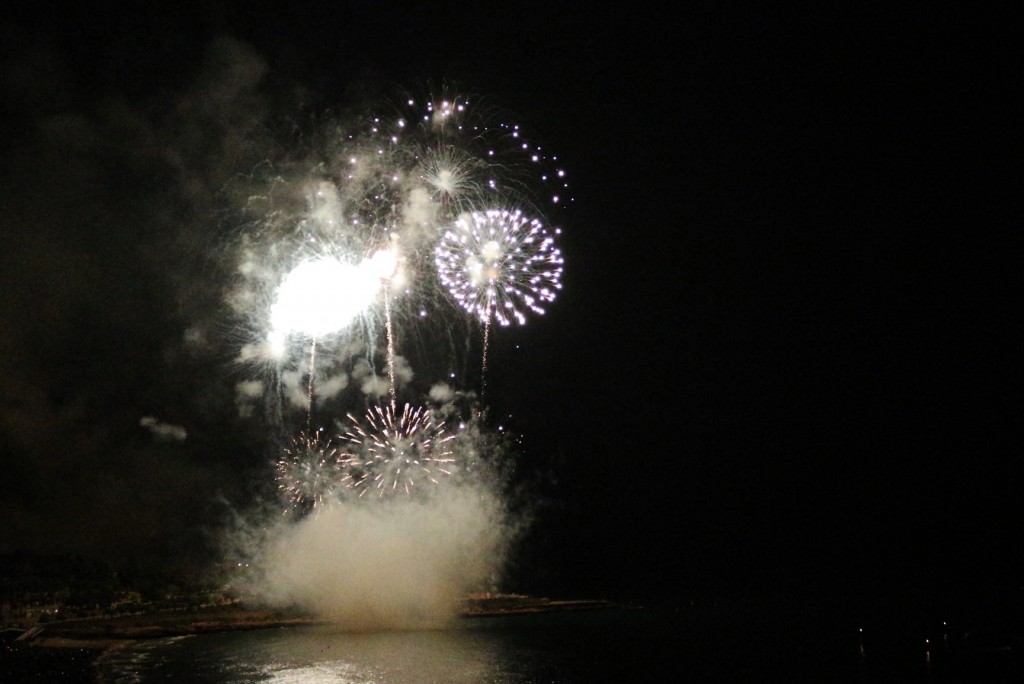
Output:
x,y
604,645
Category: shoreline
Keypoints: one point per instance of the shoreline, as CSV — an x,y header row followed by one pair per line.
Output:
x,y
68,651
101,635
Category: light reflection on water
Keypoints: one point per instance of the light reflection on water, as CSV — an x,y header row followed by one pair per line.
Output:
x,y
505,650
607,645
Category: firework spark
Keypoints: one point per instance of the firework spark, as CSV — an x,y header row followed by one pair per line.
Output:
x,y
395,452
312,472
421,160
498,263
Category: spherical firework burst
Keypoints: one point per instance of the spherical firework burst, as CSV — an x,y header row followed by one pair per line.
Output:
x,y
312,472
498,263
395,452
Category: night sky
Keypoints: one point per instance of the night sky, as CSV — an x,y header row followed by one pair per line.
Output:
x,y
783,360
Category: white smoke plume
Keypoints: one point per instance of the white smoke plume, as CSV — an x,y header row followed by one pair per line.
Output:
x,y
441,393
164,431
398,563
328,388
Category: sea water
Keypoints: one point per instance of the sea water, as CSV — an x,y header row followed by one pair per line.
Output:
x,y
603,645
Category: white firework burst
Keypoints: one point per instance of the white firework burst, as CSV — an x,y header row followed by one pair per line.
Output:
x,y
394,452
498,264
312,472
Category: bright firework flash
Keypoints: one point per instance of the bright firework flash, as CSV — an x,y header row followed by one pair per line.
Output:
x,y
323,302
311,473
323,295
395,452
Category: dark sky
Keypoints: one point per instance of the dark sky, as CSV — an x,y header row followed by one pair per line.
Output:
x,y
783,358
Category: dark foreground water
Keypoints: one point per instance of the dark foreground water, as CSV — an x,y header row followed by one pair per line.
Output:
x,y
610,645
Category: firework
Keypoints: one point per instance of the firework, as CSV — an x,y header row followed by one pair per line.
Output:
x,y
419,161
323,295
350,236
395,452
498,263
312,472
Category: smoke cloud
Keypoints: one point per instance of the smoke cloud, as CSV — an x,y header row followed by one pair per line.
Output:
x,y
397,563
164,431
